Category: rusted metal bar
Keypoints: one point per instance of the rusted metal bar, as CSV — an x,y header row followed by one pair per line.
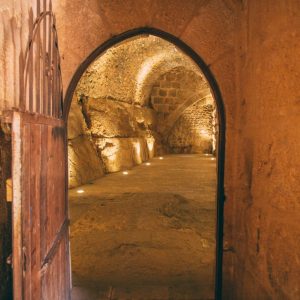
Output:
x,y
49,95
55,95
44,99
30,71
37,64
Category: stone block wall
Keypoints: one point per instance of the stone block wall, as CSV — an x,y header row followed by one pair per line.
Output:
x,y
173,88
194,131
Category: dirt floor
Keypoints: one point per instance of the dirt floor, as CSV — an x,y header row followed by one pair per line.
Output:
x,y
148,235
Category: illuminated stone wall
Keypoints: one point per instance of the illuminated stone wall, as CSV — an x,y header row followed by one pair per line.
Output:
x,y
115,118
194,131
185,108
175,87
107,136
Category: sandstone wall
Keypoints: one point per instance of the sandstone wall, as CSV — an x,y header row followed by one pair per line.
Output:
x,y
185,108
14,31
265,230
107,136
194,131
173,88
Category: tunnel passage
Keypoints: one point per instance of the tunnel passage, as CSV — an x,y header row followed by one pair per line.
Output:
x,y
141,98
139,103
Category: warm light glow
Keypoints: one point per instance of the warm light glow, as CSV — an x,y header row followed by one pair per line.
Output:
x,y
213,158
137,152
111,158
150,144
125,172
204,133
148,164
80,191
161,157
137,147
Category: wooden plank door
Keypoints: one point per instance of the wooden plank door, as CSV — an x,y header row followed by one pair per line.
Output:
x,y
41,260
43,270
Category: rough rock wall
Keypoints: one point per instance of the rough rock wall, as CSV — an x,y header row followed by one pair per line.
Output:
x,y
107,135
84,162
194,131
265,242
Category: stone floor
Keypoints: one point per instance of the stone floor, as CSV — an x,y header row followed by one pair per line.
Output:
x,y
148,235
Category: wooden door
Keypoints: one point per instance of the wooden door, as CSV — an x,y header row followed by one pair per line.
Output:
x,y
41,267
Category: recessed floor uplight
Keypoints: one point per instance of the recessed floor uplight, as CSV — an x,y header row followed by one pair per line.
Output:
x,y
125,172
80,191
213,158
148,164
161,157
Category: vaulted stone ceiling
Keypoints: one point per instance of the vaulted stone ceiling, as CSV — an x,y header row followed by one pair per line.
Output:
x,y
127,71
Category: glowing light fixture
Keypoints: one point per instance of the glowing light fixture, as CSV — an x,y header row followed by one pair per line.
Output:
x,y
161,157
213,158
148,164
125,172
80,191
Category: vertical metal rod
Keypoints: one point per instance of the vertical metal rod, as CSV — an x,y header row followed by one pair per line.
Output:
x,y
44,93
37,63
54,75
22,78
50,73
30,66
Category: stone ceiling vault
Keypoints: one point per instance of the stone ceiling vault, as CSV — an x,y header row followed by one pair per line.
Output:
x,y
127,71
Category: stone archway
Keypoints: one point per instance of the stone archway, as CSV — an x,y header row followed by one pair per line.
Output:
x,y
220,112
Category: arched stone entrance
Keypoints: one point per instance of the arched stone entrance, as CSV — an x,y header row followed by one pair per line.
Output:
x,y
220,113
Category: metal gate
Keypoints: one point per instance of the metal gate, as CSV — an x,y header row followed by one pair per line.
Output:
x,y
41,267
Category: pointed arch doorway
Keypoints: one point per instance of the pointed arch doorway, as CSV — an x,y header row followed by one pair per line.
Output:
x,y
220,114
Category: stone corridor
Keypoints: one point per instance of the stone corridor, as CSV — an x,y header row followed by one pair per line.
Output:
x,y
148,234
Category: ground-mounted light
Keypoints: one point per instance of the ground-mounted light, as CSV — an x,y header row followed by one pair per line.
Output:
x,y
161,157
148,164
125,173
213,158
80,191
